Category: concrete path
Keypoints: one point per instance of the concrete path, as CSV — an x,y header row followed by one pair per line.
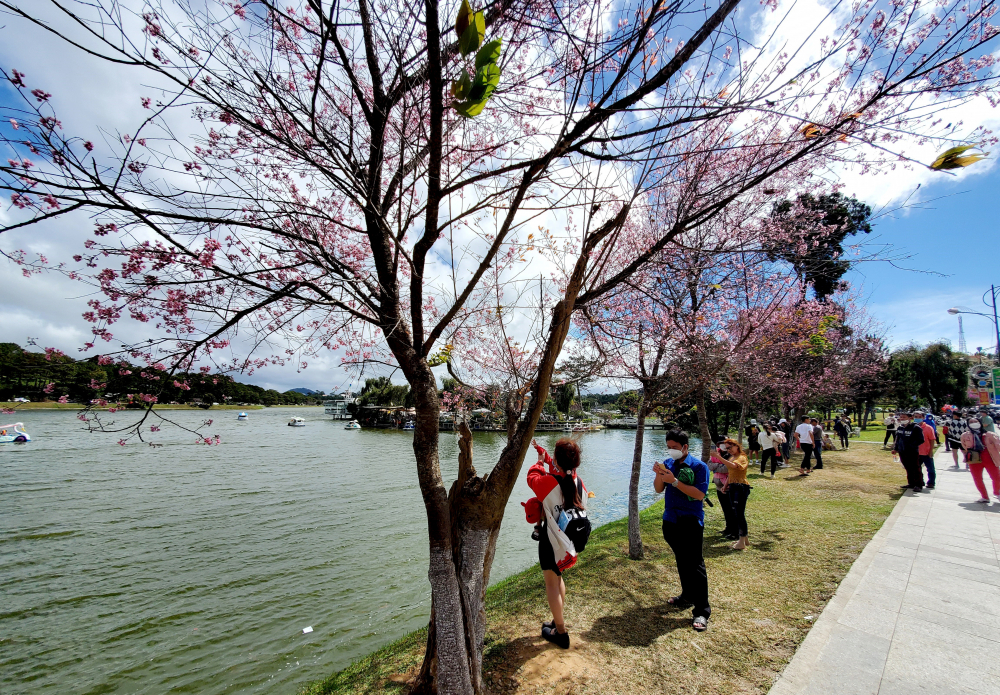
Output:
x,y
919,611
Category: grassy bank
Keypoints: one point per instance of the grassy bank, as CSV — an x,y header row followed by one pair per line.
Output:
x,y
805,534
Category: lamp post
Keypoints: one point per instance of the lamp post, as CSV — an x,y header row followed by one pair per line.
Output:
x,y
996,323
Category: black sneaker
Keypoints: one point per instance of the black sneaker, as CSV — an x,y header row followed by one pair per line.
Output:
x,y
930,487
560,639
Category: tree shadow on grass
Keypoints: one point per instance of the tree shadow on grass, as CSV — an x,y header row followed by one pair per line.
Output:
x,y
639,626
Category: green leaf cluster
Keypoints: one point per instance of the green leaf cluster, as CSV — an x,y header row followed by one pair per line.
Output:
x,y
955,158
473,89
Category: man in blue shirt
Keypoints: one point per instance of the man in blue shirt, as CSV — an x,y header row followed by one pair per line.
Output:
x,y
684,523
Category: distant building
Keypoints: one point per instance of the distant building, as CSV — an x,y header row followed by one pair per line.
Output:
x,y
337,405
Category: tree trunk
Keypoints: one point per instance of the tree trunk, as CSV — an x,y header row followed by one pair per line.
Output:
x,y
743,420
725,421
634,533
469,562
706,437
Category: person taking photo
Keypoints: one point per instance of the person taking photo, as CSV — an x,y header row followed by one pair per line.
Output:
x,y
563,495
684,480
739,489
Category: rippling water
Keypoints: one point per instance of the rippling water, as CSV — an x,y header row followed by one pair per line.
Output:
x,y
193,568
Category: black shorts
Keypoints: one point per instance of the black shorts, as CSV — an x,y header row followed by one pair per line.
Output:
x,y
755,446
546,556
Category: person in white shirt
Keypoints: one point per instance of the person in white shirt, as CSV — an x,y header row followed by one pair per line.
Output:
x,y
804,436
767,441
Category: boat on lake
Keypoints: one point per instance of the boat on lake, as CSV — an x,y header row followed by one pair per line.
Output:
x,y
297,422
352,425
409,425
242,417
14,434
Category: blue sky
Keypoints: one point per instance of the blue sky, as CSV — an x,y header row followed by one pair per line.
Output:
x,y
953,248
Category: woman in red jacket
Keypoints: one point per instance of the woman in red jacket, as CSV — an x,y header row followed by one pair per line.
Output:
x,y
559,490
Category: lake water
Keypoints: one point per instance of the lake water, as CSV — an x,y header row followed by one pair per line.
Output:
x,y
193,568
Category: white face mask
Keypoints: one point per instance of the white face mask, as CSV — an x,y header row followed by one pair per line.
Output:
x,y
675,454
904,422
975,425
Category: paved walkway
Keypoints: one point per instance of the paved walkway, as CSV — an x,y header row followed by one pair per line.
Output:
x,y
919,611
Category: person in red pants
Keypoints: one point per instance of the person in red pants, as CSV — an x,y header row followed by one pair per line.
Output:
x,y
982,450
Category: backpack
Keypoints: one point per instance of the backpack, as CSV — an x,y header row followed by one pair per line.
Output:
x,y
575,524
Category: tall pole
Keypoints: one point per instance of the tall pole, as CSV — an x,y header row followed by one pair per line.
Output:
x,y
996,325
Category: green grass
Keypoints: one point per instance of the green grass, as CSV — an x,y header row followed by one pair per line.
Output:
x,y
805,534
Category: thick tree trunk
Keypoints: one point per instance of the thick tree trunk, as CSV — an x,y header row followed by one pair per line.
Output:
x,y
706,437
634,534
469,562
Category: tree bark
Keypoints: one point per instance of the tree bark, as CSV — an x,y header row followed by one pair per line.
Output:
x,y
635,551
706,437
743,420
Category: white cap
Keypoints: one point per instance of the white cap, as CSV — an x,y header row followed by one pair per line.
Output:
x,y
782,420
753,422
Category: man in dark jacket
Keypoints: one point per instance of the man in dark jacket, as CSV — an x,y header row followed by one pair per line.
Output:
x,y
909,437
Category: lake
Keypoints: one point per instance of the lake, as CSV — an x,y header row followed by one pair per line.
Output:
x,y
194,568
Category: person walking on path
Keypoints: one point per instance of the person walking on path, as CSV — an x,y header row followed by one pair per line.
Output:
x,y
909,437
840,427
817,443
804,436
890,430
561,493
982,451
768,441
684,523
956,428
720,476
739,490
926,449
786,447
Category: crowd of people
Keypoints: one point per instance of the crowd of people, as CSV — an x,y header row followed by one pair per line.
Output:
x,y
559,508
968,433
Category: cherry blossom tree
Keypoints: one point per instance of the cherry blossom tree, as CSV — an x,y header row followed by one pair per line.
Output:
x,y
368,177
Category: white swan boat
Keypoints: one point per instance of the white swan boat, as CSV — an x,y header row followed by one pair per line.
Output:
x,y
297,422
14,434
242,417
352,425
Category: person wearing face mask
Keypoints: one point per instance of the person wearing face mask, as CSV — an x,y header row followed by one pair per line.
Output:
x,y
739,490
684,480
926,450
909,437
982,452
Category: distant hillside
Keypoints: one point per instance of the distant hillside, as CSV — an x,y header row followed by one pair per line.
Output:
x,y
305,392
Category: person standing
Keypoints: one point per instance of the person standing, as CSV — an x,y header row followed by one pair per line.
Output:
x,y
982,451
817,443
720,476
786,447
890,430
930,420
926,449
739,490
804,436
561,493
753,432
956,428
986,421
684,523
909,437
767,441
840,427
